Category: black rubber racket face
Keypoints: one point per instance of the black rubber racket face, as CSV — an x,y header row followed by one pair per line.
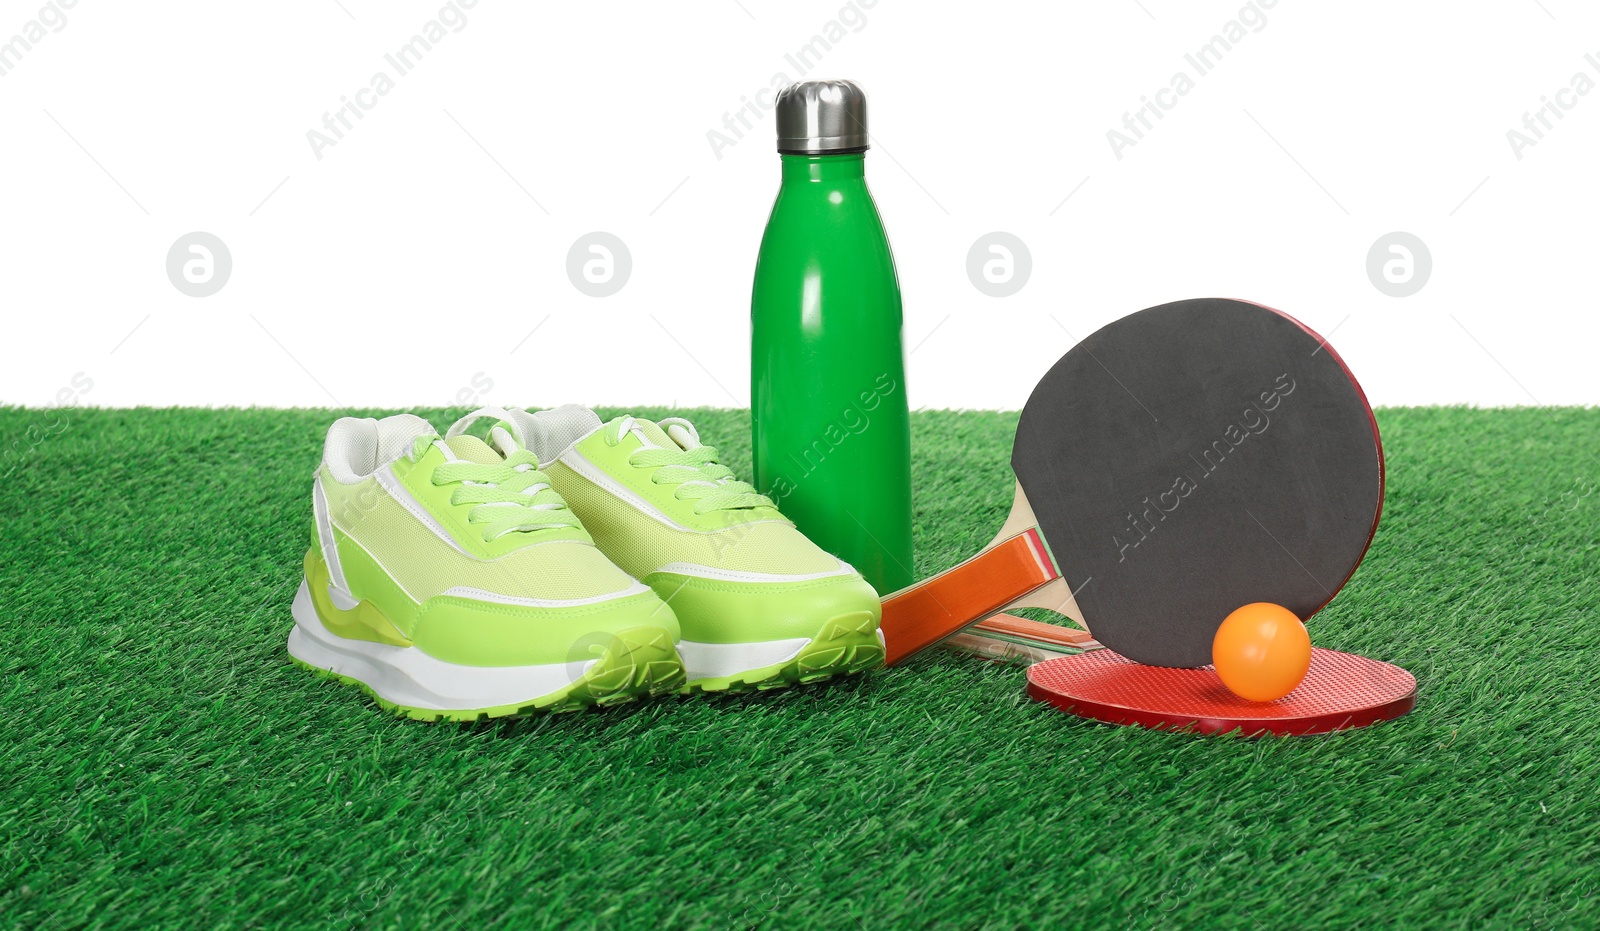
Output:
x,y
1195,457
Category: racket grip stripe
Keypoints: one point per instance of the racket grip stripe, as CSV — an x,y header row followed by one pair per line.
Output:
x,y
1041,552
915,618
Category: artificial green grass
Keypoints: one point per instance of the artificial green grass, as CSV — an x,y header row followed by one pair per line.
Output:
x,y
165,765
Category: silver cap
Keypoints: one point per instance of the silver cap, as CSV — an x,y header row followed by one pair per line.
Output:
x,y
822,117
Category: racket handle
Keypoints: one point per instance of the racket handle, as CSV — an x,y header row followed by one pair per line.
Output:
x,y
916,618
1007,638
1050,635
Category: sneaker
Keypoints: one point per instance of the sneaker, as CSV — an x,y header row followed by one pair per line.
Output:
x,y
450,582
760,605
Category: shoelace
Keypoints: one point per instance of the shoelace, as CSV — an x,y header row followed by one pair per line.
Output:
x,y
697,473
510,496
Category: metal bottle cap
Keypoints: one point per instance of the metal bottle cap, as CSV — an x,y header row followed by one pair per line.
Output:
x,y
822,118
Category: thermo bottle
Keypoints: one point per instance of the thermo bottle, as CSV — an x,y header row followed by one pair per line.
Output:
x,y
832,437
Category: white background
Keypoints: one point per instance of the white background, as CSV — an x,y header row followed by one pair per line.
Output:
x,y
409,264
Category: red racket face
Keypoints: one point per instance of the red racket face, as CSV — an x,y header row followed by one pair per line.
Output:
x,y
1340,691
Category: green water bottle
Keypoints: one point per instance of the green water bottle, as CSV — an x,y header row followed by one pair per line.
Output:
x,y
832,434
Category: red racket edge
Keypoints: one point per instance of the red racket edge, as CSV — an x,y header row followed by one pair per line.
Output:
x,y
1251,727
1377,440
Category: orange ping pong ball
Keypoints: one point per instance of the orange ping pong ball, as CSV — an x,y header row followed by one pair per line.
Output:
x,y
1261,651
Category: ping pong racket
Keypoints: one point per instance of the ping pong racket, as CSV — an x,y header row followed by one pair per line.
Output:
x,y
1075,673
1340,691
1174,465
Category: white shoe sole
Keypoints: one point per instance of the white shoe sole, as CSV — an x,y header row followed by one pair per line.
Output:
x,y
731,661
410,678
715,660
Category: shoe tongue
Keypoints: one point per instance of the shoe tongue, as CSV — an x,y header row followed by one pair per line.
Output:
x,y
473,449
650,431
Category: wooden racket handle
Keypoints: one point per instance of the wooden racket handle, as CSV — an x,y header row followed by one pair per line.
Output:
x,y
1007,638
1048,634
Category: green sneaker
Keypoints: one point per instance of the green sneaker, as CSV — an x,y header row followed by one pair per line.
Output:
x,y
452,583
760,605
